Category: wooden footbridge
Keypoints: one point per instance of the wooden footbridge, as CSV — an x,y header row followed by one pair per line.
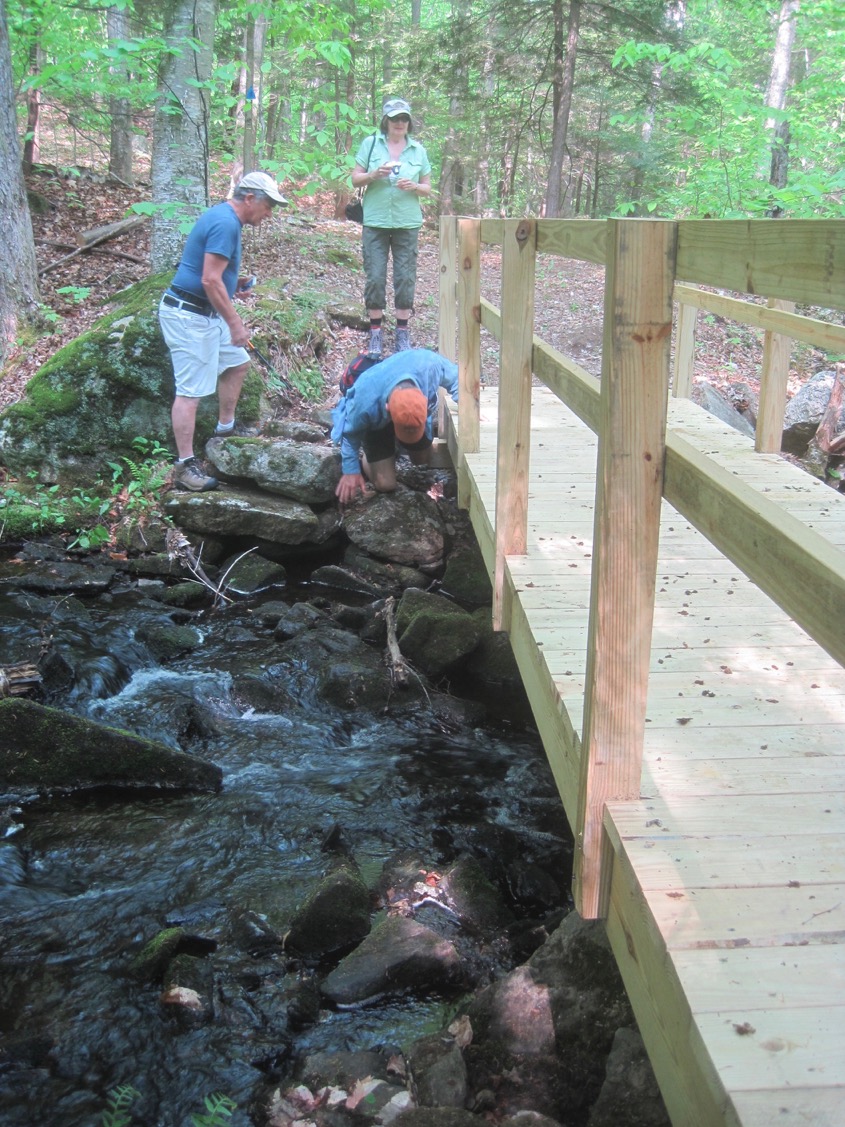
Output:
x,y
674,594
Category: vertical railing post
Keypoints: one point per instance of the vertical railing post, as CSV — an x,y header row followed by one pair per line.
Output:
x,y
774,377
469,332
629,487
682,378
519,253
447,322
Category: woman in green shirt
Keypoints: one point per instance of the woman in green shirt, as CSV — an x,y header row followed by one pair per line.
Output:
x,y
395,171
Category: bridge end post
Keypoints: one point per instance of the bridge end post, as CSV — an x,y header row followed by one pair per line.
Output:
x,y
639,281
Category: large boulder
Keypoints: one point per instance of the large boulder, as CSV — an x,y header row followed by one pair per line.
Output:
x,y
404,527
244,512
302,471
114,383
49,751
334,917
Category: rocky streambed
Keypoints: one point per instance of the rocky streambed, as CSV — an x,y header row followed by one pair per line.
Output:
x,y
283,836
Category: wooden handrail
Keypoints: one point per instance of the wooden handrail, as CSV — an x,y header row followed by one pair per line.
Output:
x,y
642,457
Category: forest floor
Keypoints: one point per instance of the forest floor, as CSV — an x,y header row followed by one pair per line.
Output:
x,y
313,251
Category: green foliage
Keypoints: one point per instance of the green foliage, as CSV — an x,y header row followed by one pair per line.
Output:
x,y
117,1112
219,1108
78,293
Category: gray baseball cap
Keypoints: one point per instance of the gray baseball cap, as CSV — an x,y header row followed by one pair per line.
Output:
x,y
394,106
262,182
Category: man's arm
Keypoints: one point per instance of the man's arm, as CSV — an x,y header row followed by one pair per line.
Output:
x,y
213,266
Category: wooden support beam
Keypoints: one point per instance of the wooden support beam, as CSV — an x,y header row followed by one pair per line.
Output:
x,y
634,397
519,254
777,354
469,332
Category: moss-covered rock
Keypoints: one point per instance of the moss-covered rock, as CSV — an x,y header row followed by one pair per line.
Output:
x,y
83,408
45,750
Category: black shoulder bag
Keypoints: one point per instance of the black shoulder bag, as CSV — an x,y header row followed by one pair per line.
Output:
x,y
355,207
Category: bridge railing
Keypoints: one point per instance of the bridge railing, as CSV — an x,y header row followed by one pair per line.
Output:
x,y
651,267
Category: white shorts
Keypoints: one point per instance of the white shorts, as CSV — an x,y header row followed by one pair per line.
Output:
x,y
200,348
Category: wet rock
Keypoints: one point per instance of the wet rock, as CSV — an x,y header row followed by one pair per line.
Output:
x,y
465,577
341,1069
151,962
434,634
252,933
296,619
438,1117
535,1119
707,397
804,412
268,614
475,898
532,887
398,956
387,577
166,641
404,527
438,1072
188,990
250,574
56,576
302,471
45,750
342,580
543,1033
335,916
241,512
630,1094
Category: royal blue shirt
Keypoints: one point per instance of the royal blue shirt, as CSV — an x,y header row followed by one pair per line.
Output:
x,y
364,407
217,231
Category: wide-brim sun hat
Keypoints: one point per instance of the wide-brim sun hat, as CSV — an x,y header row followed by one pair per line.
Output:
x,y
393,107
262,182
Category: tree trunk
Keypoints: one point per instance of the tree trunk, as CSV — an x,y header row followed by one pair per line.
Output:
x,y
180,134
32,143
563,82
776,96
18,276
121,140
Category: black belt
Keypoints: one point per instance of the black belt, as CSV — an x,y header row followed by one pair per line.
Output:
x,y
205,310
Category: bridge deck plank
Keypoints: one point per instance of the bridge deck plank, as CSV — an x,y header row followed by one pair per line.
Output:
x,y
727,910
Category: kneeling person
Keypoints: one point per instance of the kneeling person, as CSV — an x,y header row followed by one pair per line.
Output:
x,y
394,401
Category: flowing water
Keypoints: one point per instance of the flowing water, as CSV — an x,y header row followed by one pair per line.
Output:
x,y
85,882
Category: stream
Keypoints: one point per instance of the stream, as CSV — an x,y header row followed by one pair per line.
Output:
x,y
87,880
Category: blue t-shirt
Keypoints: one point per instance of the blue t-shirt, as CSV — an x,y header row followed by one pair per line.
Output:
x,y
217,231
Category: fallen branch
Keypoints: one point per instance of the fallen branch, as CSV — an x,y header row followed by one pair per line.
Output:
x,y
93,240
399,668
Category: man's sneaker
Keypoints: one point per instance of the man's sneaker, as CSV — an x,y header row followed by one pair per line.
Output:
x,y
191,475
239,430
375,346
403,340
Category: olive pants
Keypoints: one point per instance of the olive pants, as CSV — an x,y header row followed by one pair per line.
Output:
x,y
378,244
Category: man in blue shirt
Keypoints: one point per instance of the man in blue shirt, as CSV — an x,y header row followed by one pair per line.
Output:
x,y
201,326
394,401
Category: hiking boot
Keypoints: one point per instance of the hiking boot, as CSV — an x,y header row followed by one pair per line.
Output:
x,y
190,475
238,430
374,349
403,340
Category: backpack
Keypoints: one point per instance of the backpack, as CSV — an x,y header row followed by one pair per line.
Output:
x,y
354,369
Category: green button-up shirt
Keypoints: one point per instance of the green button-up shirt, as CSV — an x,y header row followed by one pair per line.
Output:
x,y
385,205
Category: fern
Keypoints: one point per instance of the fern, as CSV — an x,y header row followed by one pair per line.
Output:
x,y
116,1114
219,1108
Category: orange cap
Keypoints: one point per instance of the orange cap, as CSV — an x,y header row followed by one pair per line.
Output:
x,y
408,409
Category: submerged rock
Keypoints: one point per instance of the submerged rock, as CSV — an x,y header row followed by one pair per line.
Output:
x,y
45,750
335,916
398,956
